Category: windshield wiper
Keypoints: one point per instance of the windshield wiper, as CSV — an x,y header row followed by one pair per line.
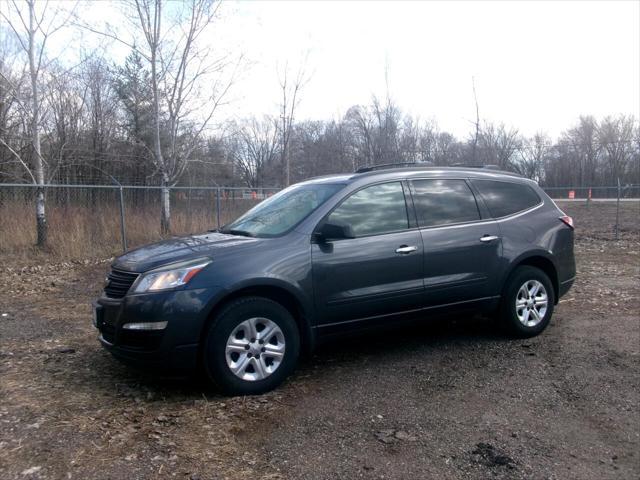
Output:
x,y
242,233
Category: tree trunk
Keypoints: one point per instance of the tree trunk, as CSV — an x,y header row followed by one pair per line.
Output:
x,y
165,201
165,214
287,166
41,220
285,141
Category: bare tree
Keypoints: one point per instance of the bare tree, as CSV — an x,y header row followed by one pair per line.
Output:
x,y
476,124
13,88
387,120
321,148
253,148
187,83
65,95
447,150
290,98
33,28
615,136
374,132
360,126
532,156
580,151
497,145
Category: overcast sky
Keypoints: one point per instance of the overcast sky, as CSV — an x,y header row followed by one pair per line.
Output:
x,y
537,65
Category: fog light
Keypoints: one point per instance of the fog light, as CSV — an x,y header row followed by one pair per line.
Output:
x,y
145,326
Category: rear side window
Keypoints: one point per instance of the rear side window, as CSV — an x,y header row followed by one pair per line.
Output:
x,y
506,198
374,210
442,202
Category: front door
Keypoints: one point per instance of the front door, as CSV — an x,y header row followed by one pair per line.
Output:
x,y
377,273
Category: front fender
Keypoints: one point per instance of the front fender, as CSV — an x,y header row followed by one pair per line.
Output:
x,y
254,285
294,289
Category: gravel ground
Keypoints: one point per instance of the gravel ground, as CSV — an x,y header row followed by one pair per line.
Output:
x,y
446,399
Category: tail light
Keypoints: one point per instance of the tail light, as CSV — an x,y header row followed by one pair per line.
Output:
x,y
567,220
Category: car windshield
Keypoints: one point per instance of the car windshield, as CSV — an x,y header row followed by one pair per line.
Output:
x,y
281,212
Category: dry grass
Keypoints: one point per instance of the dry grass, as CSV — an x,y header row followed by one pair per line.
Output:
x,y
80,232
88,232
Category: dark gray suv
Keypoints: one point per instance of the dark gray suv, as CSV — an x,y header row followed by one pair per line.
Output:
x,y
333,254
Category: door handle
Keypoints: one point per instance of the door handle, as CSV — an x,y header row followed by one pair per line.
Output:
x,y
404,249
488,238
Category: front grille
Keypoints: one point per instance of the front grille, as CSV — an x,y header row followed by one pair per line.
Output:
x,y
119,283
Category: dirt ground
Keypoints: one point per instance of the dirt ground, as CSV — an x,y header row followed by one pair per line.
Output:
x,y
443,400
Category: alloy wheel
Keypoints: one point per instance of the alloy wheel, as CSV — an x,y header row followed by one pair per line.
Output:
x,y
255,349
531,303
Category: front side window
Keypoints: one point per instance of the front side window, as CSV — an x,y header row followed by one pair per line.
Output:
x,y
443,202
283,211
374,210
506,198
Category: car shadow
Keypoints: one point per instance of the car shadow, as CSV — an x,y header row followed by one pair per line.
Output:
x,y
96,370
419,333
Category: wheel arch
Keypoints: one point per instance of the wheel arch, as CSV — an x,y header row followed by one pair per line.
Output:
x,y
273,291
542,261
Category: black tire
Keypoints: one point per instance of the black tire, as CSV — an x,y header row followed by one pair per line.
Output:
x,y
231,316
509,318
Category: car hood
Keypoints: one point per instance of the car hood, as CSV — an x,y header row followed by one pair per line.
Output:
x,y
179,249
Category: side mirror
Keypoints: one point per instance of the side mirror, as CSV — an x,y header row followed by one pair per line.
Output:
x,y
334,231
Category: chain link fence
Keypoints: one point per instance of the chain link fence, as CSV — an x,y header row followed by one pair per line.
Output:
x,y
594,193
88,220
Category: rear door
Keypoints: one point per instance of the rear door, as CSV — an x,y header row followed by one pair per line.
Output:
x,y
462,250
380,271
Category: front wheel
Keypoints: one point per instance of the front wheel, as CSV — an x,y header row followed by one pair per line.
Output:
x,y
527,303
251,347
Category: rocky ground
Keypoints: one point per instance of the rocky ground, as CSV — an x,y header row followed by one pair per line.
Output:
x,y
450,399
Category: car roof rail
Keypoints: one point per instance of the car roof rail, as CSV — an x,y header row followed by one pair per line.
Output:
x,y
384,166
466,165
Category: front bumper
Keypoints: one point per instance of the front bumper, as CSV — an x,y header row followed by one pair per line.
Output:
x,y
175,348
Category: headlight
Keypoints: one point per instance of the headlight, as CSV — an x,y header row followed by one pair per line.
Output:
x,y
165,279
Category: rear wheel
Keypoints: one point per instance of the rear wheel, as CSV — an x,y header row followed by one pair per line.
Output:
x,y
251,347
527,302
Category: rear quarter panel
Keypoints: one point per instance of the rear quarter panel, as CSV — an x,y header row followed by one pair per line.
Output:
x,y
538,232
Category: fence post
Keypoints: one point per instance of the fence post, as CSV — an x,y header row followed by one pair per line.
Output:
x,y
218,207
618,213
123,227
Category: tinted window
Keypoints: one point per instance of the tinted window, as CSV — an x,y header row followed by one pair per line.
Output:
x,y
506,198
441,202
374,210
